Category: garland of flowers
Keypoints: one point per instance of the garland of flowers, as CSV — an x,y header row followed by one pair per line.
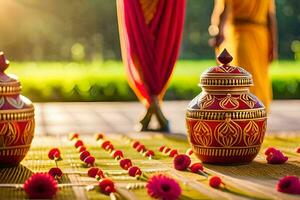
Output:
x,y
140,148
106,185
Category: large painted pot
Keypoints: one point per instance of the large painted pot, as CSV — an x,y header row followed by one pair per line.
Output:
x,y
16,119
226,124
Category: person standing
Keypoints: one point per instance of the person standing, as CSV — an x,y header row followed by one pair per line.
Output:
x,y
248,30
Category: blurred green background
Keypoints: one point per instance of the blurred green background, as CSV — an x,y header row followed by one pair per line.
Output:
x,y
69,50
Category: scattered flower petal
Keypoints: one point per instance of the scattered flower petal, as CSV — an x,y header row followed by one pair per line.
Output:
x,y
181,162
289,184
163,187
40,186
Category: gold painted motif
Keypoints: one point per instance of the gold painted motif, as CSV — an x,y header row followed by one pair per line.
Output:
x,y
202,134
229,102
206,101
226,152
249,100
228,133
251,133
28,132
220,115
2,101
16,103
264,128
9,134
16,115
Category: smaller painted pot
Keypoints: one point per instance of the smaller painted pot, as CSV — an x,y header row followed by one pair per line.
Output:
x,y
16,119
226,124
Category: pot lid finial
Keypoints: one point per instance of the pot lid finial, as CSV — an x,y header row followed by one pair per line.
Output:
x,y
224,57
3,62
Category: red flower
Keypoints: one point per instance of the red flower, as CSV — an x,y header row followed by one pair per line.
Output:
x,y
105,144
173,153
134,144
196,167
99,136
90,160
54,153
163,187
276,157
81,149
117,154
78,143
107,186
189,152
92,172
72,136
298,150
84,154
289,184
161,148
55,172
95,171
181,162
134,171
166,150
125,163
140,148
270,150
110,147
149,153
40,186
215,181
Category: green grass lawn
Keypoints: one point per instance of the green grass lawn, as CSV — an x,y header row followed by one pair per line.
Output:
x,y
106,81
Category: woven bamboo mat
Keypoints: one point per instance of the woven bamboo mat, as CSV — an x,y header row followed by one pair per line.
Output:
x,y
256,180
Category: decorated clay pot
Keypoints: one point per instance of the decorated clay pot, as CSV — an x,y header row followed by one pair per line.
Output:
x,y
17,119
226,124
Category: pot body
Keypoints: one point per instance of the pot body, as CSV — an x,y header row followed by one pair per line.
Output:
x,y
226,127
16,128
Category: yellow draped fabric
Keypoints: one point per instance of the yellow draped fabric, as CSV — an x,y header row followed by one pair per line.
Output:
x,y
247,39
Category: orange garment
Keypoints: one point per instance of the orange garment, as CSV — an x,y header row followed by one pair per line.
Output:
x,y
247,40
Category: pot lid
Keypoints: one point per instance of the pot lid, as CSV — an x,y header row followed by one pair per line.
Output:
x,y
9,84
225,75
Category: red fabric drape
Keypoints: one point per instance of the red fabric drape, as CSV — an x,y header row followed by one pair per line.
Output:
x,y
150,47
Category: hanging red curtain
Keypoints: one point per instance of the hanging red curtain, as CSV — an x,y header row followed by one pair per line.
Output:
x,y
150,36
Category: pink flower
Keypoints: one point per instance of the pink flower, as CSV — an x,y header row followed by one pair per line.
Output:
x,y
289,184
270,150
117,154
140,148
84,154
161,148
276,157
134,144
78,143
149,153
90,160
181,162
40,186
163,187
